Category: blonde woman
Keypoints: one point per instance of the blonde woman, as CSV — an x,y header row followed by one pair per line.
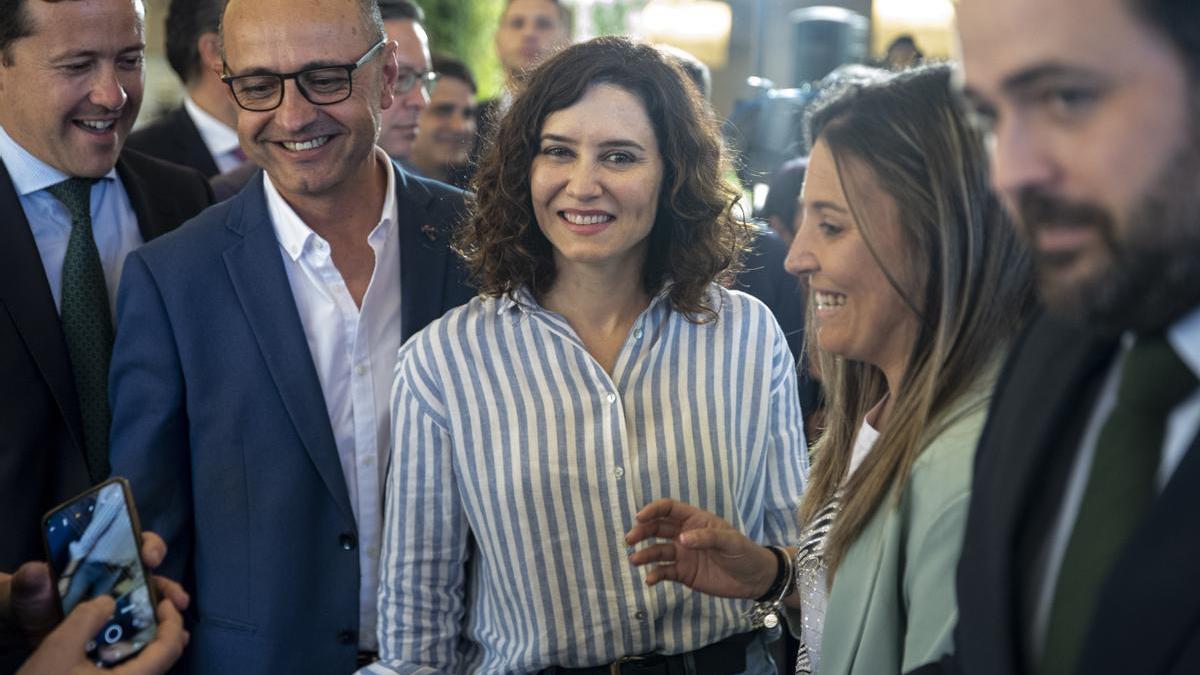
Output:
x,y
916,284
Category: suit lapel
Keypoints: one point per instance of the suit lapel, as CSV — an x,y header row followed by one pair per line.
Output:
x,y
423,254
260,282
151,223
1053,364
1150,598
25,292
191,143
1064,363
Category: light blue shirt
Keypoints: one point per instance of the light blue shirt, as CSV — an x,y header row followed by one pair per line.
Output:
x,y
114,224
514,447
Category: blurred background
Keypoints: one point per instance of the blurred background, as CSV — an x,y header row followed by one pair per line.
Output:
x,y
766,56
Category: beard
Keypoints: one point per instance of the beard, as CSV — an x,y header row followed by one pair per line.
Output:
x,y
1150,275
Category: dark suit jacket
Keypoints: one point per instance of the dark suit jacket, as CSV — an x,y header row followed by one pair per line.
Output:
x,y
220,423
41,443
175,138
1148,617
41,428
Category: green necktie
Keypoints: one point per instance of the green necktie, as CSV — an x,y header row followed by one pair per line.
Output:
x,y
87,322
1121,487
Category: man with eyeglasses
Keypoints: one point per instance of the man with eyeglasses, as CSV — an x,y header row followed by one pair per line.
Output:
x,y
256,347
403,20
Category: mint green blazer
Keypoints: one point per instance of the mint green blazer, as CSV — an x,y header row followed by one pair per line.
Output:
x,y
892,606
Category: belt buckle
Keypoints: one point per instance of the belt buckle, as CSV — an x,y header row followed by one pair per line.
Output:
x,y
614,668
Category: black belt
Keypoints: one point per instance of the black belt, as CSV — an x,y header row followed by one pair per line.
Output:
x,y
365,659
726,657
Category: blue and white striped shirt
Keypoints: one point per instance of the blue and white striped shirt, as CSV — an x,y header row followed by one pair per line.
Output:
x,y
514,448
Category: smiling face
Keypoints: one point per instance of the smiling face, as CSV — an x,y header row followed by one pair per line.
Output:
x,y
401,120
595,181
447,127
307,149
71,91
528,30
1095,149
859,314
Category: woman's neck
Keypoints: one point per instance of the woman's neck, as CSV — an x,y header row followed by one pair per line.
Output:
x,y
600,307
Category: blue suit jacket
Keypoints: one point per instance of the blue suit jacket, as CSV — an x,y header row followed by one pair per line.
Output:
x,y
220,424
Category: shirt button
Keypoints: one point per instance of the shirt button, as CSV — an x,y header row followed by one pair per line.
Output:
x,y
360,370
637,334
611,398
640,615
347,541
619,472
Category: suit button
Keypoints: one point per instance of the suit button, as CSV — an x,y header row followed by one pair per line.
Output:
x,y
347,637
347,541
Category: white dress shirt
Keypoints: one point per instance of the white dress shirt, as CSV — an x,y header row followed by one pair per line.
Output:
x,y
114,224
1182,426
354,350
220,139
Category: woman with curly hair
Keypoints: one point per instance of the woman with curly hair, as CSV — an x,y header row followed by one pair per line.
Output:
x,y
601,367
917,283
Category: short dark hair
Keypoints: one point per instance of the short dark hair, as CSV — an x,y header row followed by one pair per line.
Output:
x,y
694,240
448,66
1179,21
14,25
187,20
401,9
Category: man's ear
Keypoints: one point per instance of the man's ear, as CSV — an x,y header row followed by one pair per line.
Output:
x,y
208,45
391,73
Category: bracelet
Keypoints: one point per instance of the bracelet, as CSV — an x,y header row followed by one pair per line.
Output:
x,y
781,573
764,614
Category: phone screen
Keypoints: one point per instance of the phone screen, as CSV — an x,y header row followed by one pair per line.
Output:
x,y
93,549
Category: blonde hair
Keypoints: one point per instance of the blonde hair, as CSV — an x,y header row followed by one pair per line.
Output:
x,y
977,285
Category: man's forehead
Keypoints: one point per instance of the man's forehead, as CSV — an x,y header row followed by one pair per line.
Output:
x,y
534,8
1003,40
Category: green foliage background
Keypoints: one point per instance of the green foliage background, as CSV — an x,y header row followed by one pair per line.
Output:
x,y
464,28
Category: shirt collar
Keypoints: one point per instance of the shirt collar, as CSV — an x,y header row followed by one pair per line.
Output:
x,y
293,233
522,300
1184,336
218,136
30,174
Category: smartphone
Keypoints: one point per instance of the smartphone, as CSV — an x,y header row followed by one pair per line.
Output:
x,y
93,546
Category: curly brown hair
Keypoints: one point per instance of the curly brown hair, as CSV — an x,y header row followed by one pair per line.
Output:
x,y
695,240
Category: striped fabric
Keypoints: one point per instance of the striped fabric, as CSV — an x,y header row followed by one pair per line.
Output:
x,y
515,449
811,573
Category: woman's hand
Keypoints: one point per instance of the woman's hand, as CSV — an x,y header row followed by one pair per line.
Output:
x,y
703,552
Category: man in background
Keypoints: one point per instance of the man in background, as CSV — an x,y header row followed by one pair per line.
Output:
x,y
529,30
446,128
199,133
403,20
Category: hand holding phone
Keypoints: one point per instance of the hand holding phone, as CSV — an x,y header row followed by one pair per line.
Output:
x,y
93,549
63,649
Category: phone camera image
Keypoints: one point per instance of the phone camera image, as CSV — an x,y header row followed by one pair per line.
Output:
x,y
93,552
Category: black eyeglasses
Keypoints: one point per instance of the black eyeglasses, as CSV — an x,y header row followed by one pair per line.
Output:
x,y
325,85
409,78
